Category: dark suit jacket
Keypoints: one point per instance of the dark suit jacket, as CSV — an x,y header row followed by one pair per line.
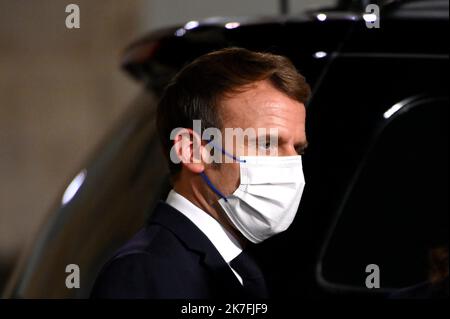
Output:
x,y
169,258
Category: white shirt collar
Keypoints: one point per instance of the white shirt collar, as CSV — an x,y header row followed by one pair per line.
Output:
x,y
227,246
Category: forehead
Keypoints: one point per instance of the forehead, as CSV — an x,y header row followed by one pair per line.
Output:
x,y
261,105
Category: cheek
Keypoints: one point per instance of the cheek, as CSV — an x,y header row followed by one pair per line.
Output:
x,y
230,177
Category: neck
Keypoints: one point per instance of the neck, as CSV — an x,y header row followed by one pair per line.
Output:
x,y
211,207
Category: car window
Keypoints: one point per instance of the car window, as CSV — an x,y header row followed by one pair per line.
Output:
x,y
396,211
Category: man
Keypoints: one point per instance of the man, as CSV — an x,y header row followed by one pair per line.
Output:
x,y
225,193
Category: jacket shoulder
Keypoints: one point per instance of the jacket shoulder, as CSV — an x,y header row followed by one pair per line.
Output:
x,y
153,264
136,275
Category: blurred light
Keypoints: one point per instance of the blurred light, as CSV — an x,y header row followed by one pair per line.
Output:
x,y
73,187
370,17
191,25
232,25
180,32
320,54
394,109
321,17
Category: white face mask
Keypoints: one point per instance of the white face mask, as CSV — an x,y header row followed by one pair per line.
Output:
x,y
267,199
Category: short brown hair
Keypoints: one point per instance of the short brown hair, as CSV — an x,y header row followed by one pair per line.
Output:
x,y
196,91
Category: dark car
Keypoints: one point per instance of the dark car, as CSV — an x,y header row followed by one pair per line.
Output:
x,y
376,196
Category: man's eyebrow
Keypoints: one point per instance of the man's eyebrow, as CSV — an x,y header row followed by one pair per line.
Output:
x,y
267,137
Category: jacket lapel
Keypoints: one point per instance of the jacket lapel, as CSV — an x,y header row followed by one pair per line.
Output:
x,y
195,240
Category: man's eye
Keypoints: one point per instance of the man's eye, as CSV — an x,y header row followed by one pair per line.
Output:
x,y
266,145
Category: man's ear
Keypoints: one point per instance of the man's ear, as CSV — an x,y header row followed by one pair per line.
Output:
x,y
189,151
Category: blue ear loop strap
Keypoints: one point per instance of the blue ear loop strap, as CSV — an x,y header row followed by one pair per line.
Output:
x,y
226,153
208,181
213,188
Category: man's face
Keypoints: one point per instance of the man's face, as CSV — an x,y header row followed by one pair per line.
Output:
x,y
261,106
